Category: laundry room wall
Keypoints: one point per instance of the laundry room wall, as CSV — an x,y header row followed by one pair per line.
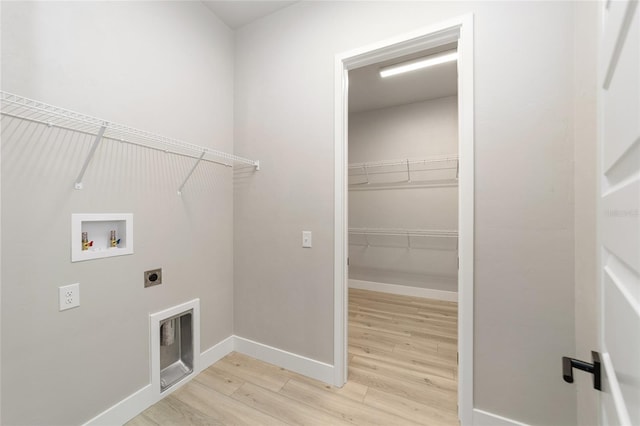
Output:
x,y
585,199
165,67
524,222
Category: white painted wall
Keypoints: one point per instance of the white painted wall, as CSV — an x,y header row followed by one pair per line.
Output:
x,y
0,244
137,62
166,67
585,203
417,130
524,133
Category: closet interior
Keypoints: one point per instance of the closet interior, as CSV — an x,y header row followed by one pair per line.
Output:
x,y
403,178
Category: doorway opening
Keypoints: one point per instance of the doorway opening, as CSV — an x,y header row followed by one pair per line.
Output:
x,y
378,239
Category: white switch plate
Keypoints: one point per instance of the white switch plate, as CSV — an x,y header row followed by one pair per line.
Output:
x,y
69,296
306,239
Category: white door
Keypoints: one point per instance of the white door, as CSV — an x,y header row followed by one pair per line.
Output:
x,y
619,212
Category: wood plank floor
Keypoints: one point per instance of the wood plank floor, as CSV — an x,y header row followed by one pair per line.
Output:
x,y
402,371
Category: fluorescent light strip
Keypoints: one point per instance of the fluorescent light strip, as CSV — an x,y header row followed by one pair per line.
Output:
x,y
417,64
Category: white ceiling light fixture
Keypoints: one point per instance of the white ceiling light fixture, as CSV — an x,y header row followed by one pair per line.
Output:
x,y
420,63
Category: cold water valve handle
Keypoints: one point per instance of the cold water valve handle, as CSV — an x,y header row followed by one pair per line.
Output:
x,y
568,364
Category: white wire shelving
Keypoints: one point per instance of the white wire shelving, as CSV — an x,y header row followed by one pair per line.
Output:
x,y
436,239
412,172
19,107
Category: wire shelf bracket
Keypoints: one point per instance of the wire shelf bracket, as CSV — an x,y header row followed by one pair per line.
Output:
x,y
366,173
96,142
193,169
408,172
19,107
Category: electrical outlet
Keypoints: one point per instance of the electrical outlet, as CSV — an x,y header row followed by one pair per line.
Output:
x,y
69,296
152,277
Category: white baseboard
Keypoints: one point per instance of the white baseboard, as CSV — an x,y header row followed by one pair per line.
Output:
x,y
297,363
142,399
124,410
404,290
216,352
484,418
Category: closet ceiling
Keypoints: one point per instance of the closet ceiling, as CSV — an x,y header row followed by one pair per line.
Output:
x,y
369,91
236,13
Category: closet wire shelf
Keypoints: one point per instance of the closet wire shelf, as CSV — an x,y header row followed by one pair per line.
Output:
x,y
441,169
404,238
19,107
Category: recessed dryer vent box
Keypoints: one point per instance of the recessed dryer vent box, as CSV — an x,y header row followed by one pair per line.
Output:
x,y
107,234
175,346
176,349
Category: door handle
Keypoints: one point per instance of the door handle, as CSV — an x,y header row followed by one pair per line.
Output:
x,y
568,364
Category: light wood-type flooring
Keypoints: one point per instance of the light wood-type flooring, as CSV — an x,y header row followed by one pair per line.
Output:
x,y
402,371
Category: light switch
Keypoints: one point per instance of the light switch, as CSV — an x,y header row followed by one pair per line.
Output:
x,y
306,239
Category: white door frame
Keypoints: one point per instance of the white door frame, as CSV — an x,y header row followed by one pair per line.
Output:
x,y
461,30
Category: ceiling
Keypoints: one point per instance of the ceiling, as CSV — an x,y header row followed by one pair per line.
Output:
x,y
236,13
369,91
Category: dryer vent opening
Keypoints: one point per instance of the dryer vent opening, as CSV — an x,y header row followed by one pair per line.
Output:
x,y
176,349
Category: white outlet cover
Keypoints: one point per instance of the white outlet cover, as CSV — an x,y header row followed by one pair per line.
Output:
x,y
69,296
